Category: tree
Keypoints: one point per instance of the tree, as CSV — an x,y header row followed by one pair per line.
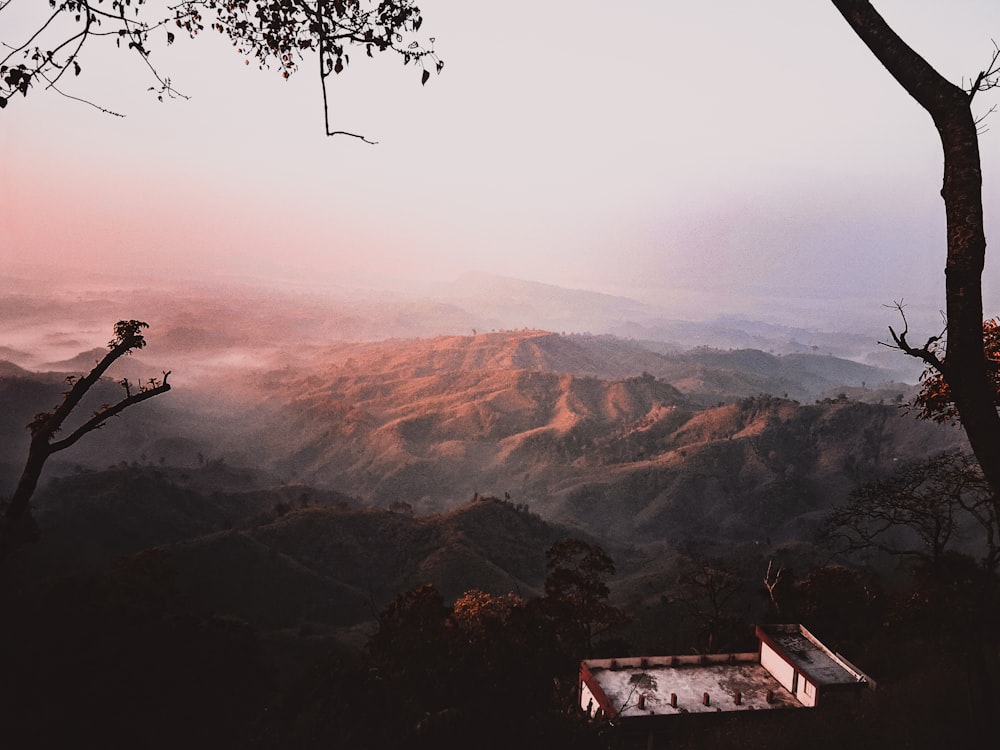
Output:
x,y
706,592
415,636
934,401
478,613
919,511
576,592
276,34
15,517
964,366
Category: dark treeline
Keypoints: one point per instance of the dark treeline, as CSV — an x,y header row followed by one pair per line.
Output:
x,y
126,660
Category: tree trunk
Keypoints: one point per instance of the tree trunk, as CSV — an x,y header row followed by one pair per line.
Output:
x,y
16,523
964,367
18,505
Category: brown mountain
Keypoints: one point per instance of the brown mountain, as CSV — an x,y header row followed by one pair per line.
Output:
x,y
587,431
594,431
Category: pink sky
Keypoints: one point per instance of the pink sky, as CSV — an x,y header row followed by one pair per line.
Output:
x,y
722,155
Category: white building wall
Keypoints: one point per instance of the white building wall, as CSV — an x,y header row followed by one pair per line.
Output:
x,y
806,692
587,699
783,672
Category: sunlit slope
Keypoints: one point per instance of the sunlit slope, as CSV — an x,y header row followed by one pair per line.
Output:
x,y
596,431
584,430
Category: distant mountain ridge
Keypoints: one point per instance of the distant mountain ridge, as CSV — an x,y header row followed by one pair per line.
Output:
x,y
214,329
646,449
553,419
577,423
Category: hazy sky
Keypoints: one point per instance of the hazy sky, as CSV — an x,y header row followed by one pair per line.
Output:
x,y
729,156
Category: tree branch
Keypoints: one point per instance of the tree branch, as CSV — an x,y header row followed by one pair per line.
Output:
x,y
926,352
15,518
989,78
920,80
97,421
275,33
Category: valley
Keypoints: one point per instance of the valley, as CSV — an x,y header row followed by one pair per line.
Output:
x,y
295,492
640,447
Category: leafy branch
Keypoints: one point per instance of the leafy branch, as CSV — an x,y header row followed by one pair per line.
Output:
x,y
277,34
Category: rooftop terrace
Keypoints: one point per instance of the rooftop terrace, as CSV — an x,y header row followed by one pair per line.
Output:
x,y
679,685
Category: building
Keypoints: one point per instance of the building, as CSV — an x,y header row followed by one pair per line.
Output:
x,y
806,668
790,669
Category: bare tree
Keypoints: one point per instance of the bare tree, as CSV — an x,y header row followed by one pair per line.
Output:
x,y
771,583
706,591
920,511
15,518
964,366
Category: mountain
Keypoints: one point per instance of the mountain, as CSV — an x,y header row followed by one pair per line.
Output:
x,y
279,556
336,567
90,517
220,329
591,431
600,432
760,469
269,497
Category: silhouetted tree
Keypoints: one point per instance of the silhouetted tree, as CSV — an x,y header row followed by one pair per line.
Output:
x,y
15,517
964,366
706,592
919,511
277,34
415,644
478,674
576,592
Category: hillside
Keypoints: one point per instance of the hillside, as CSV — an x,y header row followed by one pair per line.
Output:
x,y
593,431
597,432
278,557
250,530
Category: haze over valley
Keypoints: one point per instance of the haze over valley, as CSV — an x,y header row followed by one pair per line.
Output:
x,y
537,338
630,427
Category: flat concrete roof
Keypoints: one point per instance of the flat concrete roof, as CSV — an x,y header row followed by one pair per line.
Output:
x,y
689,678
809,656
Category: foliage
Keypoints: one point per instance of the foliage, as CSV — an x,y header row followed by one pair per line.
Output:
x,y
414,633
478,612
488,661
576,592
919,511
276,34
935,401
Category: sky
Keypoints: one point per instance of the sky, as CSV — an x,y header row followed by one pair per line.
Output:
x,y
730,157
